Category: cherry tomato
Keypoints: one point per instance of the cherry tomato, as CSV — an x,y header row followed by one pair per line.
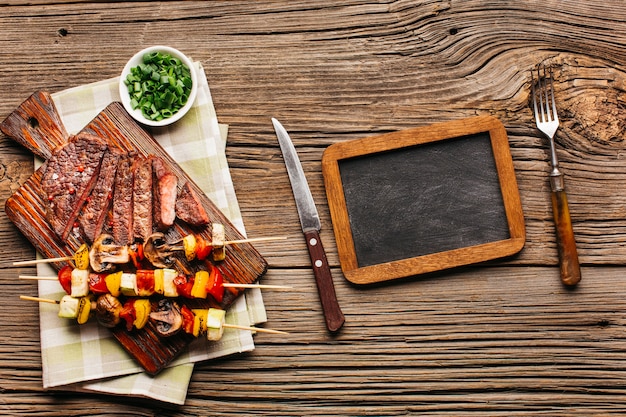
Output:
x,y
65,278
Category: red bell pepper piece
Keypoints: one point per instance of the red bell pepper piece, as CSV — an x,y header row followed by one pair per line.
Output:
x,y
136,255
128,314
215,286
184,285
188,319
97,283
203,248
145,281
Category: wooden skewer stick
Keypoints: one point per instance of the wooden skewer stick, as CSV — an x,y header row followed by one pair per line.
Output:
x,y
254,329
232,242
226,284
254,239
262,286
38,278
38,299
43,261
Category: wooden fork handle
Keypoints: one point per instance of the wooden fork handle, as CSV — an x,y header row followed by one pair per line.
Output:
x,y
566,243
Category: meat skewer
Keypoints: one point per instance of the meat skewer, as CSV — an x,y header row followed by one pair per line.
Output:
x,y
169,318
145,283
201,248
226,284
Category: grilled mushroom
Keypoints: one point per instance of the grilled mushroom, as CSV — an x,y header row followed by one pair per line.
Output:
x,y
158,251
167,318
108,310
105,253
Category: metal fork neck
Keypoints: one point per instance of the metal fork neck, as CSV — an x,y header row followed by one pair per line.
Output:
x,y
556,180
556,176
553,158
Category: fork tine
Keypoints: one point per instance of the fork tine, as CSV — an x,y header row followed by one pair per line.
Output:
x,y
542,91
555,116
544,103
534,93
543,95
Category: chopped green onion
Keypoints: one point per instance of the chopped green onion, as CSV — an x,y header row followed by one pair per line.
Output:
x,y
159,86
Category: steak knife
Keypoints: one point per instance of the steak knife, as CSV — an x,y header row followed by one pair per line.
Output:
x,y
311,225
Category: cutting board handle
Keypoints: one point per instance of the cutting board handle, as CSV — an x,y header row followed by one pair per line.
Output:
x,y
36,124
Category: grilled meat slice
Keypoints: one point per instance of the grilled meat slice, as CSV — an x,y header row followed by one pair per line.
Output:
x,y
122,213
142,198
94,213
189,208
68,178
165,191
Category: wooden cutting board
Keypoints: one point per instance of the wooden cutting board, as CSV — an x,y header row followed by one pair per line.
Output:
x,y
37,125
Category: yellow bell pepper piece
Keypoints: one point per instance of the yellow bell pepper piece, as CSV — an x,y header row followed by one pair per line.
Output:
x,y
142,312
114,282
200,321
189,244
84,309
199,289
81,257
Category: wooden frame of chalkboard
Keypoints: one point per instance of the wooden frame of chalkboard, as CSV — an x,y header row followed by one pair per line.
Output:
x,y
423,200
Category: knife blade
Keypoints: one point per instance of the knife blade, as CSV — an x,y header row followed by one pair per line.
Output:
x,y
311,226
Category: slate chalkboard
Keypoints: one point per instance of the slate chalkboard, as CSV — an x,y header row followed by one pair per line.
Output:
x,y
423,199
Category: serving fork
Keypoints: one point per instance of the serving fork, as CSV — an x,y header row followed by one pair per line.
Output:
x,y
547,120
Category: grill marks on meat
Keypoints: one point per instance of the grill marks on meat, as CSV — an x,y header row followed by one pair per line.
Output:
x,y
100,189
122,212
189,208
165,191
94,213
142,198
69,176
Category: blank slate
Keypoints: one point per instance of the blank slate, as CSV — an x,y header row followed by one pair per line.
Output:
x,y
423,200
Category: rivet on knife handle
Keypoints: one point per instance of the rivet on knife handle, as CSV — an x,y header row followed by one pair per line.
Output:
x,y
324,280
566,243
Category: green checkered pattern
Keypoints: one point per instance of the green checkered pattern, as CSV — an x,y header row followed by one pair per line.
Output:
x,y
86,357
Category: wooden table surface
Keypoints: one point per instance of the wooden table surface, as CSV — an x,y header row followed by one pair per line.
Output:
x,y
499,339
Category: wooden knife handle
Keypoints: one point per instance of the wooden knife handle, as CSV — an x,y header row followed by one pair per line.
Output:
x,y
324,280
566,243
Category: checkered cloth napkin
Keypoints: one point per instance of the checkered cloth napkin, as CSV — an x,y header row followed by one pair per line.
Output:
x,y
87,357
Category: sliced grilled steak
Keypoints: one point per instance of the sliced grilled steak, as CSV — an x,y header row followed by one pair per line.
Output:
x,y
189,208
93,215
142,198
68,178
165,191
122,213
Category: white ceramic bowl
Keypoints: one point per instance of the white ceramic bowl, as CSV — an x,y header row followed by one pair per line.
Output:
x,y
136,60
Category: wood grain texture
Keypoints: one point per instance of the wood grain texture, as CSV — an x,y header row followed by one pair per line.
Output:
x,y
505,338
